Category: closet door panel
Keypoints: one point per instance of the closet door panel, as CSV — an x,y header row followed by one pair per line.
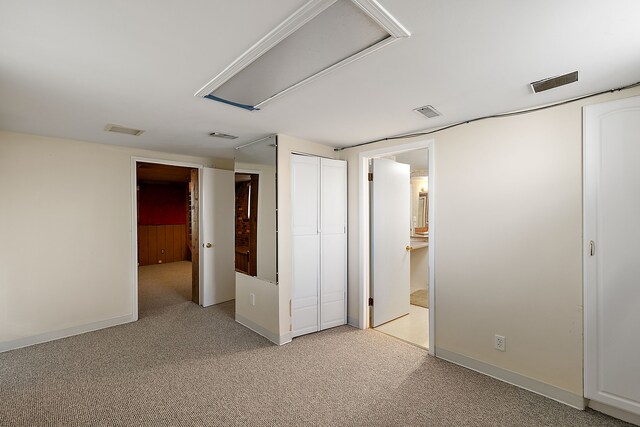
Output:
x,y
334,196
333,226
333,286
305,183
304,298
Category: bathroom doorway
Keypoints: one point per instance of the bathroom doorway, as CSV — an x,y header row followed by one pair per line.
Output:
x,y
397,230
400,236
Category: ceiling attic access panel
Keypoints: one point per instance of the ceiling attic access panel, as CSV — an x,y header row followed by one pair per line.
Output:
x,y
320,37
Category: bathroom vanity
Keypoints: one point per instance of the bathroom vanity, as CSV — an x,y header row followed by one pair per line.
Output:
x,y
419,262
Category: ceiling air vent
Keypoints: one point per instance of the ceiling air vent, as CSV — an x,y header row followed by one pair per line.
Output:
x,y
222,135
553,82
428,111
121,129
318,38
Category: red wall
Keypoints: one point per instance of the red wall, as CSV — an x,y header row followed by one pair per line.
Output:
x,y
162,204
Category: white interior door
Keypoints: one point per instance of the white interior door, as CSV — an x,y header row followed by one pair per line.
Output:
x,y
612,267
390,235
217,249
305,205
333,244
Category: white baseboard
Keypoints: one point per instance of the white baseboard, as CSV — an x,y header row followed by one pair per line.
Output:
x,y
535,386
353,322
286,338
271,336
64,333
615,412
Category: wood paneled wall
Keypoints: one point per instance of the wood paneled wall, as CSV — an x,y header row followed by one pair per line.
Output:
x,y
159,244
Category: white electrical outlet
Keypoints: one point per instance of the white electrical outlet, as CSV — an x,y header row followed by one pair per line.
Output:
x,y
252,299
501,343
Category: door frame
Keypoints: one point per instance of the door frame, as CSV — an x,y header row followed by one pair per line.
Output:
x,y
364,243
134,217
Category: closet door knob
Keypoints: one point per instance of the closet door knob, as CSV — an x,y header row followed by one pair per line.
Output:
x,y
208,245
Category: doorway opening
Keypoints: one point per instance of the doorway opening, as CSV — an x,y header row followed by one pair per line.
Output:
x,y
397,236
408,322
167,236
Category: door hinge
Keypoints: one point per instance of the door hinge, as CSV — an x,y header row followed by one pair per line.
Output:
x,y
290,308
592,248
370,302
370,176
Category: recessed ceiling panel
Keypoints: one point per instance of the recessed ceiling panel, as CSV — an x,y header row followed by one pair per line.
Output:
x,y
318,38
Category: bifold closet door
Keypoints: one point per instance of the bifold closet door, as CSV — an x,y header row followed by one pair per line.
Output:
x,y
611,267
333,243
319,216
305,205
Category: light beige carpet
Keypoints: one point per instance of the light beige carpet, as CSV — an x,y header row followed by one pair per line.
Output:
x,y
421,298
184,365
161,286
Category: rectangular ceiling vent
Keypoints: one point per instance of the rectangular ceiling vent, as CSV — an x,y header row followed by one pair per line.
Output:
x,y
318,38
222,135
121,129
554,82
428,111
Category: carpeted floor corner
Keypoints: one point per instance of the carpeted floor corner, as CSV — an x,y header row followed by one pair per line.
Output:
x,y
183,365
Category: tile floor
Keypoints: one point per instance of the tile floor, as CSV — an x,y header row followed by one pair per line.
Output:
x,y
412,328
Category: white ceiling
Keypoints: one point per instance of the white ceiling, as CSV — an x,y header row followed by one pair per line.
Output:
x,y
69,67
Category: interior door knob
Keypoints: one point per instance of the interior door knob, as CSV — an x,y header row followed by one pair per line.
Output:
x,y
409,248
208,245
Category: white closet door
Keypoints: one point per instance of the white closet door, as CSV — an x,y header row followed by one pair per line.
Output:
x,y
612,267
333,228
305,187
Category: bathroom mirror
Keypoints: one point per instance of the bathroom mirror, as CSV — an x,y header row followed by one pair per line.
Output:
x,y
423,209
255,209
419,203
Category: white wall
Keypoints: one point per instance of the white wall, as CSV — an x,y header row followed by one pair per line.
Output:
x,y
65,221
262,317
508,242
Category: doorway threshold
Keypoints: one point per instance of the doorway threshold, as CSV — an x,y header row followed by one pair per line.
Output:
x,y
412,328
